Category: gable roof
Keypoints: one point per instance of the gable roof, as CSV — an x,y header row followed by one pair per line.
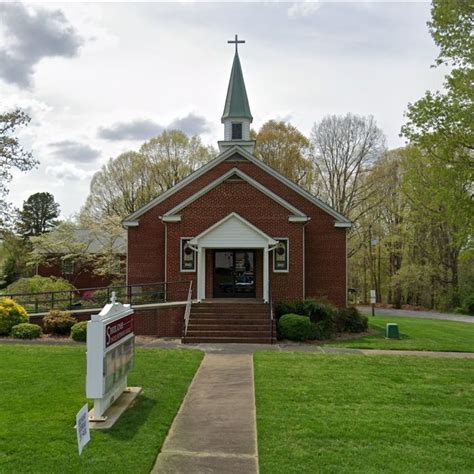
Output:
x,y
230,174
239,220
132,219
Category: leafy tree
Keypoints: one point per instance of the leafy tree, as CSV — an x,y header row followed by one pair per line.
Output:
x,y
440,170
131,180
441,213
86,244
17,252
38,215
122,186
172,156
12,155
286,149
344,148
442,122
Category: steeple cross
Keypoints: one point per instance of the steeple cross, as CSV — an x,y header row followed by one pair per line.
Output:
x,y
236,41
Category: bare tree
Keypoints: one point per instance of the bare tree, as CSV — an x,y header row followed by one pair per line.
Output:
x,y
343,150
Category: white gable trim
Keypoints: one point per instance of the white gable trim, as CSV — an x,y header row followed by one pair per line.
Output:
x,y
235,171
256,230
132,218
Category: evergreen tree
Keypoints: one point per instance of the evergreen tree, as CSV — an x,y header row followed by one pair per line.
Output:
x,y
38,215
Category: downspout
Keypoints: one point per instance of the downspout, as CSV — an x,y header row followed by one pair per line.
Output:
x,y
347,271
304,258
166,253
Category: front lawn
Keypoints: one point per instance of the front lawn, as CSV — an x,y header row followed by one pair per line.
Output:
x,y
349,413
43,387
416,334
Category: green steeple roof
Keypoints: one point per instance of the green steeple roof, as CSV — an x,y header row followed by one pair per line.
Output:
x,y
236,102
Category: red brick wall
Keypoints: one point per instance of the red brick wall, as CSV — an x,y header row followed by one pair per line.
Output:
x,y
161,322
324,246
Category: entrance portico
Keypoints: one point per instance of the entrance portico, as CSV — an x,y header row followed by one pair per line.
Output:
x,y
233,233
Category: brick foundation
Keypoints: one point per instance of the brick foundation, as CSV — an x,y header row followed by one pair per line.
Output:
x,y
159,322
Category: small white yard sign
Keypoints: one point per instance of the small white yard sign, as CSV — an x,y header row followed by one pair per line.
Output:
x,y
373,296
82,427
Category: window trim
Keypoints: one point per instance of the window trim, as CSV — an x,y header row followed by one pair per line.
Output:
x,y
181,269
68,262
279,239
241,130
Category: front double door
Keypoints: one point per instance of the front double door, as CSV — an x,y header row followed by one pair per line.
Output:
x,y
234,274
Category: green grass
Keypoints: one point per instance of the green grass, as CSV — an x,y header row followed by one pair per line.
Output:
x,y
43,387
347,413
416,334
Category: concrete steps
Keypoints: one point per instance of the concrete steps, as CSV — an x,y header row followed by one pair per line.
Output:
x,y
222,322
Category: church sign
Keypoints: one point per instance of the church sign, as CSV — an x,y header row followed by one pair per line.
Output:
x,y
110,355
118,329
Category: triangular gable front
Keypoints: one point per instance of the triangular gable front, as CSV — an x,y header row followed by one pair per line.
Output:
x,y
233,231
232,174
132,219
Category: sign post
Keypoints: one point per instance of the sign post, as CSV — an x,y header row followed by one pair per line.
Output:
x,y
373,299
110,357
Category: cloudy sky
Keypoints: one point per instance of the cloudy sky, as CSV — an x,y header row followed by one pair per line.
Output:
x,y
99,79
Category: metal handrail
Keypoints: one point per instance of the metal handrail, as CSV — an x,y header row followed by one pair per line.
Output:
x,y
12,295
141,293
187,311
270,299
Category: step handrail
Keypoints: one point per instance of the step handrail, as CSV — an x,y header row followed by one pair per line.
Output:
x,y
271,313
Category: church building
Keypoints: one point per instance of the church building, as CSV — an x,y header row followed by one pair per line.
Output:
x,y
240,230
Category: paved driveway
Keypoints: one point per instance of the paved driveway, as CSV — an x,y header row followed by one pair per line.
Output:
x,y
418,314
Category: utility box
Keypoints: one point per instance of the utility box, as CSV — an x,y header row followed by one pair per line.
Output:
x,y
391,331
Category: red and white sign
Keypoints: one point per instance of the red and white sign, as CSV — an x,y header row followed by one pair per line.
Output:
x,y
118,329
110,354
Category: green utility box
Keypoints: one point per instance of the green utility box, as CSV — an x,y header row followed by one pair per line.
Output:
x,y
391,331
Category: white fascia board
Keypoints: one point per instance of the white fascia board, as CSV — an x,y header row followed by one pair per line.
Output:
x,y
299,218
343,224
195,240
166,218
219,159
295,187
127,223
185,181
245,177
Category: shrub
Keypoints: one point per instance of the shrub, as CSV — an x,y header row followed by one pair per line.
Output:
x,y
468,303
296,327
323,316
58,322
26,331
289,307
79,331
318,311
350,320
39,284
11,314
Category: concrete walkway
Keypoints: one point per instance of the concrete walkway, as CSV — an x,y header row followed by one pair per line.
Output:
x,y
417,314
215,428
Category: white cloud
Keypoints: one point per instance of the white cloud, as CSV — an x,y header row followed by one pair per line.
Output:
x,y
67,172
303,9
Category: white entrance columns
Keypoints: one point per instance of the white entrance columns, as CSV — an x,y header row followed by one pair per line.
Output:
x,y
201,273
265,274
231,232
